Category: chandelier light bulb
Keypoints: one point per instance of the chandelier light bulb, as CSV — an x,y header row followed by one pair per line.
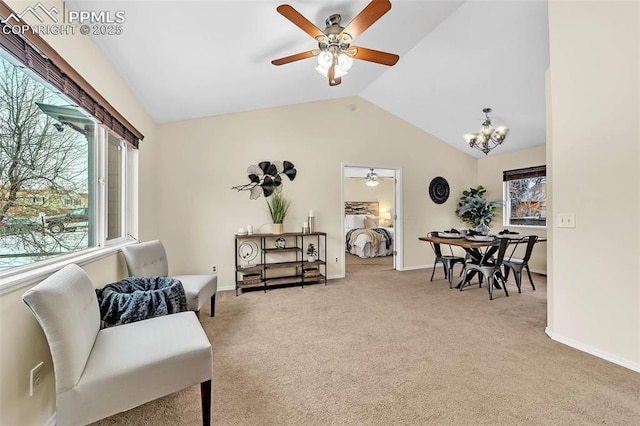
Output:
x,y
487,131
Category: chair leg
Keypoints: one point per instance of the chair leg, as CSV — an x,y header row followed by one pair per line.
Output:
x,y
504,282
433,271
517,273
213,305
490,287
205,396
444,268
451,277
530,279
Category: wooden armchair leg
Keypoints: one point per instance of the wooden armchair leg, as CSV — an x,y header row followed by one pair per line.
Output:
x,y
205,394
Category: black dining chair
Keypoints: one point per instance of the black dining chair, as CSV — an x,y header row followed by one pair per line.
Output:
x,y
517,265
489,267
448,261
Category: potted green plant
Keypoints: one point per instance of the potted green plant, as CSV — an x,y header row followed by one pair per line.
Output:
x,y
278,208
475,210
312,252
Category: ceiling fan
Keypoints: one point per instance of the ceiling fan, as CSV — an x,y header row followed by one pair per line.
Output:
x,y
335,53
372,178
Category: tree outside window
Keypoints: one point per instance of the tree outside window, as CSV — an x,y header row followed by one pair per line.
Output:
x,y
43,159
525,197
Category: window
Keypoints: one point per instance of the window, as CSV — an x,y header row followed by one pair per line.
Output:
x,y
525,197
116,150
54,160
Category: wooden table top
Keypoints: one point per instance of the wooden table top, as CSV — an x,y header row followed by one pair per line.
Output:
x,y
463,242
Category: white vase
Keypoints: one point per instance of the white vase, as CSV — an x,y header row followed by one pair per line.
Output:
x,y
278,228
311,258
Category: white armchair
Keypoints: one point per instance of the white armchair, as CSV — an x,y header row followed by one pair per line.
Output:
x,y
99,373
149,259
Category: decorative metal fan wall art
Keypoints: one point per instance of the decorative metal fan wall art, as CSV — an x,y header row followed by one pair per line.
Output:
x,y
266,178
335,54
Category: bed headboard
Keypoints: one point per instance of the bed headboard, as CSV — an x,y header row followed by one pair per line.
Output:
x,y
361,207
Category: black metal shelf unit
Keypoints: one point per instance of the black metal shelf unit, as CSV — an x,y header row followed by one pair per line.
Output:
x,y
292,266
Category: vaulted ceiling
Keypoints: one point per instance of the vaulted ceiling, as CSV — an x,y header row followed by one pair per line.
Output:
x,y
189,59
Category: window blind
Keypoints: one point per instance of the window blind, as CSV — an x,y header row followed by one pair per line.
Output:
x,y
38,56
528,172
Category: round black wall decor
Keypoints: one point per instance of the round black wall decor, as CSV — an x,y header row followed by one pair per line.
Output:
x,y
439,190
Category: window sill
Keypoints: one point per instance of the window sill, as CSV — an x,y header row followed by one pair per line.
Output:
x,y
538,228
11,282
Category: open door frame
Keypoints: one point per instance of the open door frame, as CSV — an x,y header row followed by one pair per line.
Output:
x,y
398,258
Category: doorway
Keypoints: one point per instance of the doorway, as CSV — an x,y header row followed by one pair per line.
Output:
x,y
371,212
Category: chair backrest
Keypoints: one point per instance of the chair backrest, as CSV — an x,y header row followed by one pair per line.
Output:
x,y
147,259
66,307
435,246
530,241
497,261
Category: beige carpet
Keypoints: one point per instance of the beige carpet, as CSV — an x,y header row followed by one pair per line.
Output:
x,y
393,348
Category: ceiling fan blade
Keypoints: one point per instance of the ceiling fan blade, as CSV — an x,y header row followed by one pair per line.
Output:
x,y
333,80
366,18
376,56
300,21
296,57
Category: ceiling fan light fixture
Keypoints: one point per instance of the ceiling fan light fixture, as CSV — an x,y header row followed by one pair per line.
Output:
x,y
371,182
345,62
325,59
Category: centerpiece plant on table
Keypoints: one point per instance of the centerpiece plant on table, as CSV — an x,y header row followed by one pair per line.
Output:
x,y
475,210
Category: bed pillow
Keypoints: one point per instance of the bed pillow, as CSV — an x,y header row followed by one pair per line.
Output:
x,y
355,221
371,223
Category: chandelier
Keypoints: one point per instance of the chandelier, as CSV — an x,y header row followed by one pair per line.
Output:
x,y
489,137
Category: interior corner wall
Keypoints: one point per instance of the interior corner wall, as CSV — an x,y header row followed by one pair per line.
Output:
x,y
594,100
202,159
22,343
490,170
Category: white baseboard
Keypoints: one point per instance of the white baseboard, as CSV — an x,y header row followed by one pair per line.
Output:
x,y
416,267
593,351
540,271
51,421
227,288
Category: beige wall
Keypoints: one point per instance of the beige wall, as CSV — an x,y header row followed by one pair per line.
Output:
x,y
202,159
594,99
490,170
22,344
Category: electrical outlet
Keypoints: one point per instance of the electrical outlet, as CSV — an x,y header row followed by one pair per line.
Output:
x,y
214,268
336,260
566,220
35,377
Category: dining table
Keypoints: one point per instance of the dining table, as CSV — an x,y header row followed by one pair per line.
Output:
x,y
478,248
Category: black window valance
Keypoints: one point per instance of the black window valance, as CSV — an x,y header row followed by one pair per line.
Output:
x,y
528,172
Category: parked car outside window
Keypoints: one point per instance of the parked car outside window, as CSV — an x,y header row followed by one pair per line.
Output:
x,y
68,221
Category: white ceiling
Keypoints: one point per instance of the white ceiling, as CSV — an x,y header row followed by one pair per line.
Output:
x,y
189,59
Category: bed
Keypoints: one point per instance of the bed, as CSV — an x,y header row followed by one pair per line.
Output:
x,y
364,237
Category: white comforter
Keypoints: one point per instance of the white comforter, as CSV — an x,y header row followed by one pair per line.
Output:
x,y
363,246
